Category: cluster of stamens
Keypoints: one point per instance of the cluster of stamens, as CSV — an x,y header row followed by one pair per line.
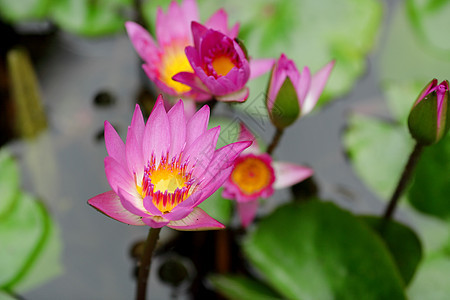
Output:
x,y
168,183
221,59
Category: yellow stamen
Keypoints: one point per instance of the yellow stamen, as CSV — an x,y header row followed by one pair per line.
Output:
x,y
167,180
175,61
222,65
251,175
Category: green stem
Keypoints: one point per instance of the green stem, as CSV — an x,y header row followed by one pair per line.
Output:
x,y
275,141
145,263
404,179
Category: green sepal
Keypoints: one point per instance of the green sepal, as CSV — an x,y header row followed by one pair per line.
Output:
x,y
286,108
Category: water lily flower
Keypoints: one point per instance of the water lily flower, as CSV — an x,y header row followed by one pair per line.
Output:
x,y
165,57
255,175
166,168
292,94
220,66
428,119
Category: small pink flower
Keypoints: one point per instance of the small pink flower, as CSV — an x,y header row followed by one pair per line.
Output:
x,y
165,57
166,168
220,67
292,94
255,176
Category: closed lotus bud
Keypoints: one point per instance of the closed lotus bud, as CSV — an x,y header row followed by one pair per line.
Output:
x,y
427,120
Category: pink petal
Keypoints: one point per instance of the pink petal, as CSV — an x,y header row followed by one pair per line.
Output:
x,y
214,184
114,144
197,125
156,139
137,123
190,10
317,85
117,175
177,123
247,211
135,157
155,222
150,206
260,66
223,159
218,21
143,43
288,174
198,30
246,135
197,220
133,203
238,96
192,80
178,214
303,86
109,204
199,153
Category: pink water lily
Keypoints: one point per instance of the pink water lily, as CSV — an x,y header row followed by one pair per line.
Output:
x,y
428,119
220,66
292,94
165,57
166,168
255,175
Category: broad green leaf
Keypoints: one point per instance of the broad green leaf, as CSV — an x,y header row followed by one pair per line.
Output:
x,y
402,242
402,47
91,18
9,183
218,207
315,250
431,22
30,247
242,288
378,151
21,10
432,281
430,191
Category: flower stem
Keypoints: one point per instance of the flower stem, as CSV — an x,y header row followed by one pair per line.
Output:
x,y
404,179
146,260
275,141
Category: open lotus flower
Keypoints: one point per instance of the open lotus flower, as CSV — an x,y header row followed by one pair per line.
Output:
x,y
428,119
291,94
220,66
255,175
165,57
166,168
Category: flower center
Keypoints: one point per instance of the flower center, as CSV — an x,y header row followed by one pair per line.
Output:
x,y
222,65
174,61
168,183
252,174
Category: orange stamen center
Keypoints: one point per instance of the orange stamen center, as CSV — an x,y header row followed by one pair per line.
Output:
x,y
222,65
252,175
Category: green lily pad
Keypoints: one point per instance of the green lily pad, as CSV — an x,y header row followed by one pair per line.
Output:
x,y
242,288
316,250
402,242
31,249
431,22
91,18
378,151
431,189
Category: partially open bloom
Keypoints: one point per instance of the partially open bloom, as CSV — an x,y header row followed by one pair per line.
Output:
x,y
165,169
292,94
428,119
220,66
166,57
255,175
